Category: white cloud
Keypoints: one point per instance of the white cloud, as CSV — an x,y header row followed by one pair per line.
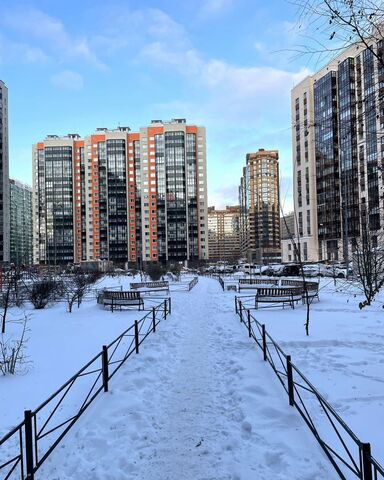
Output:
x,y
211,8
11,51
68,80
56,42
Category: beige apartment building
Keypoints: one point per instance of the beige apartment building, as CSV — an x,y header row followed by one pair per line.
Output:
x,y
224,233
259,207
337,148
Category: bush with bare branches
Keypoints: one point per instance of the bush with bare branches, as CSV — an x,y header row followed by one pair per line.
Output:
x,y
12,351
44,291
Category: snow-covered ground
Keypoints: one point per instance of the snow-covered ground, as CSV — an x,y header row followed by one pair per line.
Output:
x,y
343,356
198,402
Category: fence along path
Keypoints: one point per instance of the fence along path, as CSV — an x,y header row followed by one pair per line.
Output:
x,y
196,403
31,443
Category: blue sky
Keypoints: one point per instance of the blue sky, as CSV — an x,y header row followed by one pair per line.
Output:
x,y
73,66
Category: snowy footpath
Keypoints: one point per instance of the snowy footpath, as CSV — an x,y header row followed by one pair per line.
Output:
x,y
197,403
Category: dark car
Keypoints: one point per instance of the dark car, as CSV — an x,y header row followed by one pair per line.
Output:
x,y
289,271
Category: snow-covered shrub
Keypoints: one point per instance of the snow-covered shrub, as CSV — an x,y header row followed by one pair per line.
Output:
x,y
155,270
12,351
43,291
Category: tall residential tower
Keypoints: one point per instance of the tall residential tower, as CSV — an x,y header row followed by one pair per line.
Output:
x,y
122,196
4,175
338,145
259,207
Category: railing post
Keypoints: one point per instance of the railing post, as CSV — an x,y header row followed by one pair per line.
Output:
x,y
104,363
169,305
249,323
136,336
366,461
236,305
264,342
28,444
290,381
241,311
154,319
165,309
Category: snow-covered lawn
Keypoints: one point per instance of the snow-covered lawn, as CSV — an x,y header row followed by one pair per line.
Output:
x,y
59,344
198,402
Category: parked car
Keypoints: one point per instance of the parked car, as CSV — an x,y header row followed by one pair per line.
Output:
x,y
289,271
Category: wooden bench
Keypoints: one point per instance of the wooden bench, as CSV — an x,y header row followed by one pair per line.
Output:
x,y
311,287
312,291
247,283
122,299
278,295
152,286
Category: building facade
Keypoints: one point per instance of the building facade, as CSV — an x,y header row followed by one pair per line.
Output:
x,y
224,233
4,176
338,145
287,231
20,223
128,196
259,207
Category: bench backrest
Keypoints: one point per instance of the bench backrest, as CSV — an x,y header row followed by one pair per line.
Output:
x,y
258,281
278,292
122,295
294,283
163,284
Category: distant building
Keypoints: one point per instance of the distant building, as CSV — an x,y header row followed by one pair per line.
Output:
x,y
287,229
122,196
4,176
224,233
287,226
259,207
20,223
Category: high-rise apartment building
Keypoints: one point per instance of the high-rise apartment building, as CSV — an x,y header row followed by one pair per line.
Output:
x,y
20,223
4,175
338,144
259,207
122,196
224,233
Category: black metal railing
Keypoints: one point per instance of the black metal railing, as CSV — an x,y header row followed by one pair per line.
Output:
x,y
348,455
25,448
192,283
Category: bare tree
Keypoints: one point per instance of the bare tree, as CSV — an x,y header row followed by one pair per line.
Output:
x,y
76,286
295,241
12,351
330,26
368,262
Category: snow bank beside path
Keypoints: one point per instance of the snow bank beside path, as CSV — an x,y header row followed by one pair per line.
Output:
x,y
197,403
